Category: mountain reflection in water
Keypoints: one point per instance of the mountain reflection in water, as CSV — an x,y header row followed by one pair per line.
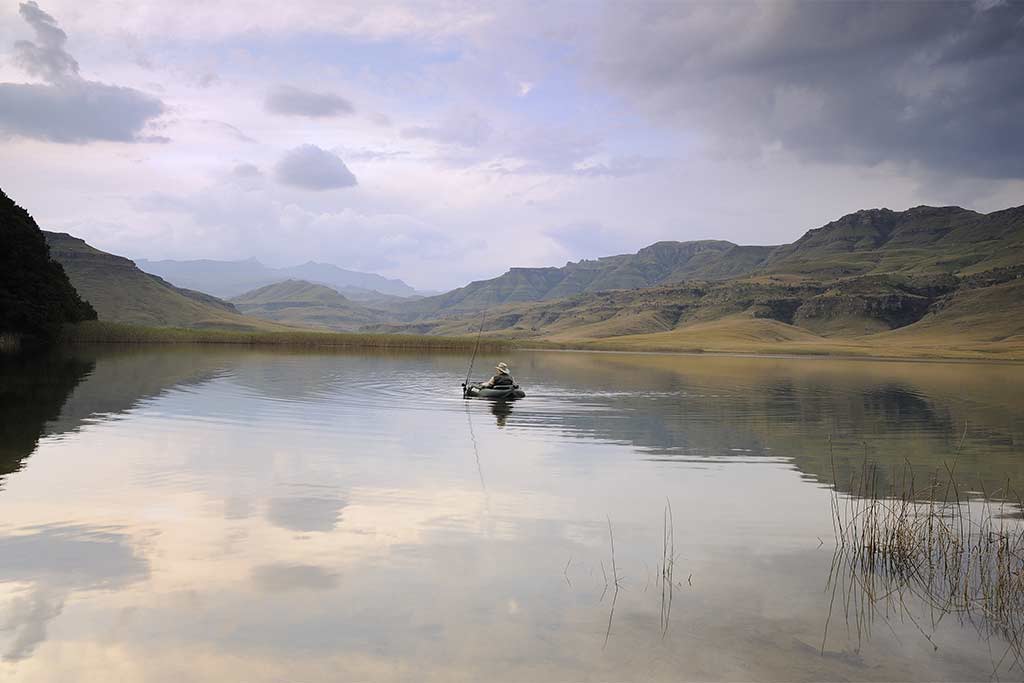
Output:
x,y
225,514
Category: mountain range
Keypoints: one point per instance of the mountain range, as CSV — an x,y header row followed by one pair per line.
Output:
x,y
920,240
227,279
306,304
927,277
120,292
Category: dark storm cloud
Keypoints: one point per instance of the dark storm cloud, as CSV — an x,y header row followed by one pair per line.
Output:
x,y
292,101
936,84
68,108
311,168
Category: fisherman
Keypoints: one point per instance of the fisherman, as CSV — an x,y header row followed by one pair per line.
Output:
x,y
502,379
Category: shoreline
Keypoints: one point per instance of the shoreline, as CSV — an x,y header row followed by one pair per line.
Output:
x,y
116,333
779,355
100,333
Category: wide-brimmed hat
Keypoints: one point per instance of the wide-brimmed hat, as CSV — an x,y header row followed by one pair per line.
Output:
x,y
502,368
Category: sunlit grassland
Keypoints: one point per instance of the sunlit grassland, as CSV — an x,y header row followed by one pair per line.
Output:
x,y
113,333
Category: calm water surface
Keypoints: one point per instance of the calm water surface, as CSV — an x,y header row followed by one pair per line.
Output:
x,y
226,515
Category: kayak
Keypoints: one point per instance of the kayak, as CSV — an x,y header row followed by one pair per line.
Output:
x,y
506,392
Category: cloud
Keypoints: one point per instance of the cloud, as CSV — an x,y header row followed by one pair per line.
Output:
x,y
291,101
935,86
230,220
47,59
68,108
305,514
246,176
26,619
246,171
274,578
225,128
466,130
59,560
591,239
616,167
311,168
77,112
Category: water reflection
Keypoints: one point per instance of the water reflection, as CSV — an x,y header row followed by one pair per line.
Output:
x,y
305,514
501,411
33,390
248,515
288,577
51,563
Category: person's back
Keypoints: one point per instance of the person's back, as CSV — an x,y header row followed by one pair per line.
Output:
x,y
502,379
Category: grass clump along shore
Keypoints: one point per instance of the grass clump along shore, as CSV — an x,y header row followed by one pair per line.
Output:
x,y
113,333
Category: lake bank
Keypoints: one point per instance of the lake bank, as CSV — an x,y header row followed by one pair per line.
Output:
x,y
890,348
115,333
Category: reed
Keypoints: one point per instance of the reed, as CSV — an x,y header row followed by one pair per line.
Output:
x,y
927,544
9,342
668,564
114,333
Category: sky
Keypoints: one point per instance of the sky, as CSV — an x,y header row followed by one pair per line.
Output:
x,y
445,142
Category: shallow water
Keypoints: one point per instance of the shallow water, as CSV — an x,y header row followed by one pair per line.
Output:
x,y
185,514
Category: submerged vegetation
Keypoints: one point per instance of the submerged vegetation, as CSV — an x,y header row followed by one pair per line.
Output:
x,y
926,552
114,333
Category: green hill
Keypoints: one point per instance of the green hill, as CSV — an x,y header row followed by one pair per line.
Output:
x,y
301,303
924,239
36,297
660,263
920,241
867,315
122,293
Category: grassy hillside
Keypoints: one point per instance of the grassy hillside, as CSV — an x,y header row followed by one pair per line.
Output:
x,y
920,241
305,304
120,292
927,282
660,263
889,315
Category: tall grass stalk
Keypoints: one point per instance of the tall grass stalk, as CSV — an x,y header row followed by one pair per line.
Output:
x,y
925,542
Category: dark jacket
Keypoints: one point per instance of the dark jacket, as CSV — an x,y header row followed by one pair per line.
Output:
x,y
499,380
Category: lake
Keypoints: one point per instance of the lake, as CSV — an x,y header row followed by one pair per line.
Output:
x,y
172,514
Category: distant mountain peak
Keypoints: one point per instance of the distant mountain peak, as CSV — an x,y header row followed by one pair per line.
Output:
x,y
232,278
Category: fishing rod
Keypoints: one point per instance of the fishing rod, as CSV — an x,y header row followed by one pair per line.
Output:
x,y
476,347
